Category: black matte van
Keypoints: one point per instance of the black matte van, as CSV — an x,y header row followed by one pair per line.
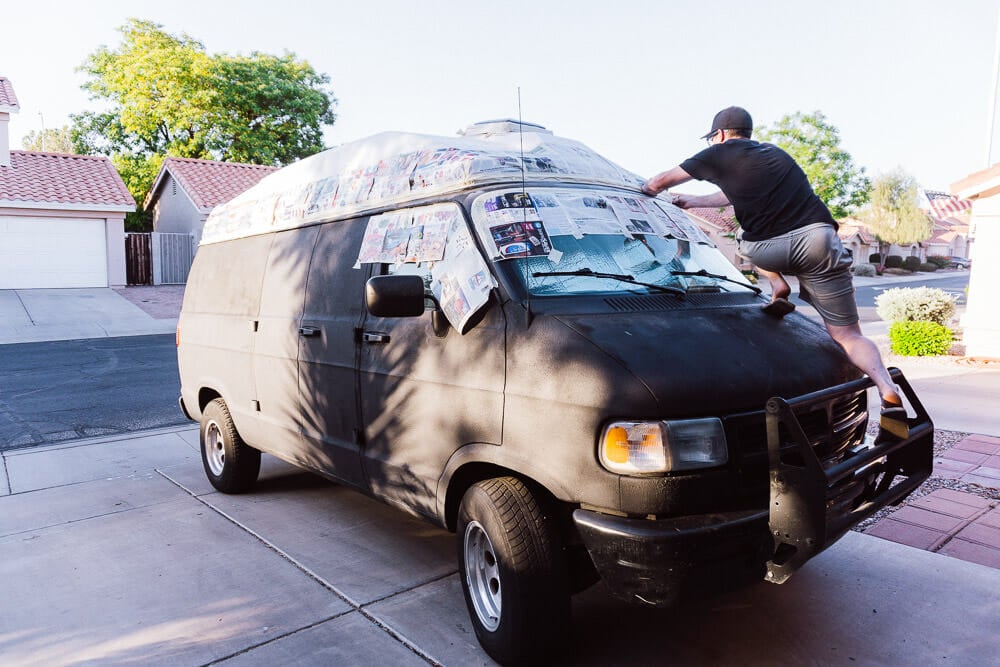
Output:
x,y
499,333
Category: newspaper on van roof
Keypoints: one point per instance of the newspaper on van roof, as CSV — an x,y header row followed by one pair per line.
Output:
x,y
394,168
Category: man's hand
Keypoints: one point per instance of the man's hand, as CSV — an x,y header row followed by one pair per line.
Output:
x,y
662,181
684,201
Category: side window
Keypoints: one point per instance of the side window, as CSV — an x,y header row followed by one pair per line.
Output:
x,y
435,243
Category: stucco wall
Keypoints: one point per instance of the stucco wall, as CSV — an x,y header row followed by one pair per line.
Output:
x,y
174,212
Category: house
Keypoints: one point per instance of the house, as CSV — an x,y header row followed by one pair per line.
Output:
x,y
721,226
981,321
62,217
951,237
186,190
854,235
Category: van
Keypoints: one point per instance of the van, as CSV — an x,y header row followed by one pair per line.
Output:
x,y
499,333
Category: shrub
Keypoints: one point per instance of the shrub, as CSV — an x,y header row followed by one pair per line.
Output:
x,y
864,270
893,262
915,303
875,258
929,267
940,261
919,339
911,263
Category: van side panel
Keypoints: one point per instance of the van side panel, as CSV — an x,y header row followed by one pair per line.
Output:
x,y
216,324
334,307
276,344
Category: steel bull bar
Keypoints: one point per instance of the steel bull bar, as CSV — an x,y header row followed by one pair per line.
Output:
x,y
811,505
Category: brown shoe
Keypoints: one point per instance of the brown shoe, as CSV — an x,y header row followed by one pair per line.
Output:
x,y
779,307
892,419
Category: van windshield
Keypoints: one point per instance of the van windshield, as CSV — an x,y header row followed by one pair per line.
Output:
x,y
562,241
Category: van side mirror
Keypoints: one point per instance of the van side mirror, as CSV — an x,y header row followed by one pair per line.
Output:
x,y
403,296
395,296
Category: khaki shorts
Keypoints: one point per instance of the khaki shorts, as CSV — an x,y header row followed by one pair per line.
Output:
x,y
814,255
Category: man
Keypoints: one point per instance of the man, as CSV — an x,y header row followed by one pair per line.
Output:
x,y
785,229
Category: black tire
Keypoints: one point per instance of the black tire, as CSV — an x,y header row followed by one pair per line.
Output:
x,y
514,572
231,465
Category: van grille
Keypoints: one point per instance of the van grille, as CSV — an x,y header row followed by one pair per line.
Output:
x,y
832,427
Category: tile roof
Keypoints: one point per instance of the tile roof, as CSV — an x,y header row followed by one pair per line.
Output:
x,y
722,217
8,100
849,227
209,183
56,178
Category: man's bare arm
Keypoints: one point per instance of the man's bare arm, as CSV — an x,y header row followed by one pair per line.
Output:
x,y
667,179
712,200
676,176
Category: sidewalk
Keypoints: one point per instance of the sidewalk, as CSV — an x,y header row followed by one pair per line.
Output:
x,y
117,550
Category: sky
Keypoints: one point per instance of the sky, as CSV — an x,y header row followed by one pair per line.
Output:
x,y
908,83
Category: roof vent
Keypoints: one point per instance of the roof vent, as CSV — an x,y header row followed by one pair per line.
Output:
x,y
502,126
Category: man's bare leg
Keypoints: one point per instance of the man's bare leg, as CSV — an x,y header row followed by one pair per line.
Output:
x,y
864,354
779,287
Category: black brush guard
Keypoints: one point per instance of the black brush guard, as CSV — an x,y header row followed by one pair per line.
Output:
x,y
811,505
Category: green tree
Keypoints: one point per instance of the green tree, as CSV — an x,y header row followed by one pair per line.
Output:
x,y
274,111
815,145
164,95
893,214
49,140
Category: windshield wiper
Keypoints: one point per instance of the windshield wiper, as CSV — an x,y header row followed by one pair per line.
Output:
x,y
702,273
623,277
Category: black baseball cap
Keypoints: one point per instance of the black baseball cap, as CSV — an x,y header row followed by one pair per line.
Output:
x,y
731,118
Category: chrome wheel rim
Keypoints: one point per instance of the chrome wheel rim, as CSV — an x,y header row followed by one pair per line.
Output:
x,y
482,574
215,448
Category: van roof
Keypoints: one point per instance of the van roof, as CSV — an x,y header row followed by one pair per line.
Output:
x,y
394,168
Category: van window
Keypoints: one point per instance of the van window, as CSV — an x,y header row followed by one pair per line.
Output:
x,y
576,234
433,242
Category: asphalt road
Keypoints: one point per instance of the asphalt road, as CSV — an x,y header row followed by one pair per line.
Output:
x,y
66,390
865,295
955,285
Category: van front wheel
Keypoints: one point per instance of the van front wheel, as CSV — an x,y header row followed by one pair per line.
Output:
x,y
513,570
231,465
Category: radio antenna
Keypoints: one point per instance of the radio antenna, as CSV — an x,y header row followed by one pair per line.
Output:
x,y
524,212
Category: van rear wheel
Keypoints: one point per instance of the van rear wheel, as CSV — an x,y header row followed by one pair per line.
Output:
x,y
513,570
231,465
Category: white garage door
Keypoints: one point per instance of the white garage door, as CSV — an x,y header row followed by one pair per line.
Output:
x,y
52,252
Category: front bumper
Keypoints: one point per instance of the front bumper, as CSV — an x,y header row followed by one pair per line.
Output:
x,y
812,504
661,562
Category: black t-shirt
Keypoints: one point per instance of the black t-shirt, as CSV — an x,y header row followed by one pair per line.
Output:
x,y
768,190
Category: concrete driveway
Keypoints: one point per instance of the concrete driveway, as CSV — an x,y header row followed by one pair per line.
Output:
x,y
32,315
118,551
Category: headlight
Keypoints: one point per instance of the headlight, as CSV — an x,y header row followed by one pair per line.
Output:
x,y
636,447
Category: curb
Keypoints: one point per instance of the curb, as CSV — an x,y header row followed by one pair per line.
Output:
x,y
97,440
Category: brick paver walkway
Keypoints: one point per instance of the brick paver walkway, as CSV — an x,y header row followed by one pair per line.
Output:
x,y
954,523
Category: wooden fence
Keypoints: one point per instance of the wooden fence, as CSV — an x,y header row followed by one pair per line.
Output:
x,y
138,259
158,258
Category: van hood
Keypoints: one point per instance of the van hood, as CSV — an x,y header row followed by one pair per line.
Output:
x,y
735,357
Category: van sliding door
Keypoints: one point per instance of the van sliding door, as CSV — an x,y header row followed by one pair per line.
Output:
x,y
328,348
277,427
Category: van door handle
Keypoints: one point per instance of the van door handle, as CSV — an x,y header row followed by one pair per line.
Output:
x,y
374,337
308,332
